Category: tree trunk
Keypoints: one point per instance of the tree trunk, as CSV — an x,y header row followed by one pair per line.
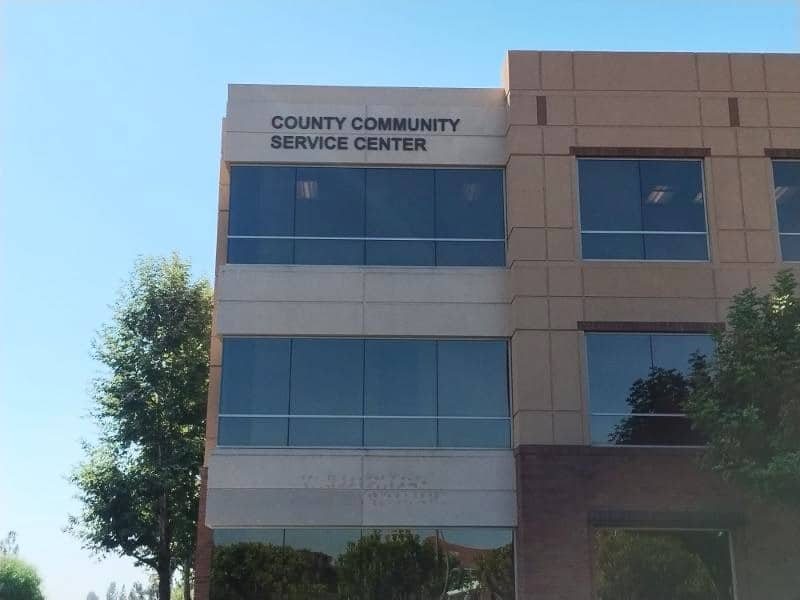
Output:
x,y
164,566
187,580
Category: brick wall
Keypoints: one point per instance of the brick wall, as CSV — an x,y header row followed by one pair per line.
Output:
x,y
561,488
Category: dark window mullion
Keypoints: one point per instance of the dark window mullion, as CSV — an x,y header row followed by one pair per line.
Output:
x,y
641,210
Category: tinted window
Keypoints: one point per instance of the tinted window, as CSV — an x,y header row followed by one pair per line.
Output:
x,y
261,200
473,378
610,195
674,564
400,203
253,431
626,204
400,377
469,203
409,217
786,174
329,202
327,377
323,564
255,376
373,392
637,386
672,196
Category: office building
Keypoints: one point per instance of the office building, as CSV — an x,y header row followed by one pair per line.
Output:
x,y
432,306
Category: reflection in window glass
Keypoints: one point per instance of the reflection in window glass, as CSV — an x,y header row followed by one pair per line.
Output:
x,y
255,431
261,201
255,376
373,216
473,378
668,564
400,377
327,377
474,433
329,202
786,174
398,433
330,564
469,203
364,392
400,203
637,386
627,204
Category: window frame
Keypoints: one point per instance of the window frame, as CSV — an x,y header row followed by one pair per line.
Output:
x,y
704,188
590,413
363,416
364,238
779,234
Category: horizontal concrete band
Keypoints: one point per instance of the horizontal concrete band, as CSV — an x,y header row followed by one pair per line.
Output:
x,y
362,301
274,488
346,508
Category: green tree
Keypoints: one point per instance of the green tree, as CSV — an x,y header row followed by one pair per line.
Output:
x,y
139,485
19,580
747,399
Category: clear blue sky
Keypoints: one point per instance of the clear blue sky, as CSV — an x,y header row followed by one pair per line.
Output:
x,y
109,147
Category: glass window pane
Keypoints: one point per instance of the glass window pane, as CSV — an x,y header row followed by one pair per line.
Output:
x,y
252,431
400,377
223,537
790,247
474,433
671,564
615,361
787,194
325,432
609,246
483,538
327,377
675,247
259,252
255,376
409,433
332,542
644,431
261,200
329,202
401,253
674,351
469,203
472,378
610,198
672,195
400,203
465,254
328,252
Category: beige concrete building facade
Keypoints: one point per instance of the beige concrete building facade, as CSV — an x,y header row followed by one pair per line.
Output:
x,y
733,115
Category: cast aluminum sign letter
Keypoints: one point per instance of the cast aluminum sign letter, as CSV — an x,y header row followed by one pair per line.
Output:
x,y
380,133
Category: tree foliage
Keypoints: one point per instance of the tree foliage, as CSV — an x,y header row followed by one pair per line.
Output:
x,y
396,566
661,566
747,399
257,571
139,485
19,580
663,391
